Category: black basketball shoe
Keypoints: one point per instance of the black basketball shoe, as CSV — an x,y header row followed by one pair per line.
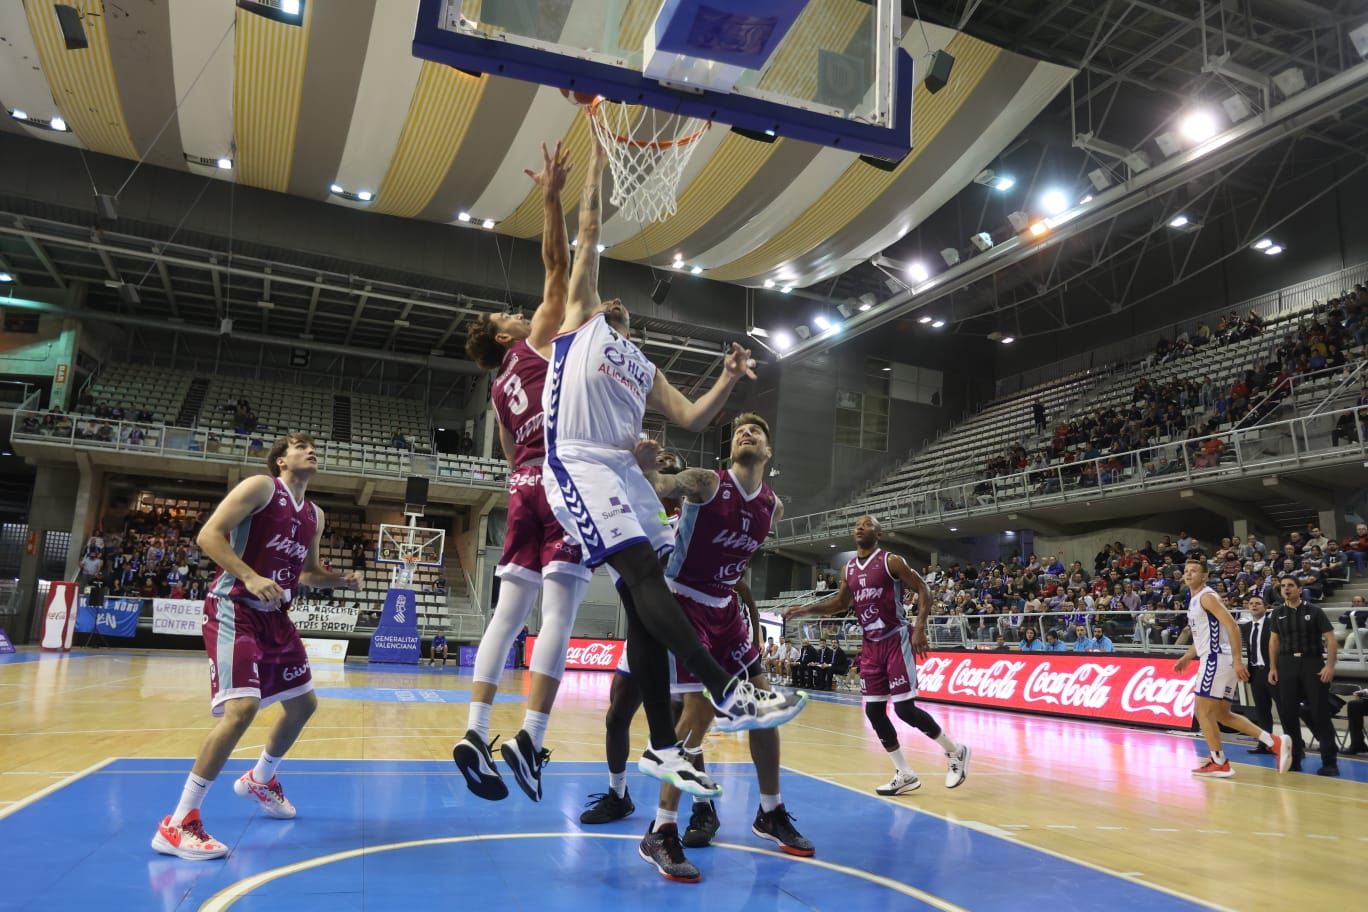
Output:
x,y
605,807
703,824
777,826
662,849
476,763
526,762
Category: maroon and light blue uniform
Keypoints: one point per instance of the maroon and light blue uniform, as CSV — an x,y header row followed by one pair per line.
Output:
x,y
713,544
535,543
254,649
888,671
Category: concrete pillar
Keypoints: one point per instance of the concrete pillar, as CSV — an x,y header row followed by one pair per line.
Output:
x,y
86,509
1331,523
1239,529
28,618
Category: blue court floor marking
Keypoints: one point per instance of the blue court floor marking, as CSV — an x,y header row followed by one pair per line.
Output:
x,y
408,695
353,804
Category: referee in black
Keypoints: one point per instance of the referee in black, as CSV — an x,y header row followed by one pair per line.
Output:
x,y
1302,659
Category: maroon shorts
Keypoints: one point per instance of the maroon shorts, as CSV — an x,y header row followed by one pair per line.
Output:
x,y
725,632
253,654
535,544
888,672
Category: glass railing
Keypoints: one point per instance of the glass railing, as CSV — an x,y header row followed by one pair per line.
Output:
x,y
1327,437
48,428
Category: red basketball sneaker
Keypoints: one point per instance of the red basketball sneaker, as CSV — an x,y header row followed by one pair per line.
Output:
x,y
1282,752
1210,769
188,840
270,796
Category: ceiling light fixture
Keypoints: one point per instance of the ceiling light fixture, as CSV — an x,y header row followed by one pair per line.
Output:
x,y
1008,340
6,277
918,272
937,324
335,188
924,319
1004,183
464,216
1179,221
1054,202
821,322
1273,251
786,289
58,124
1263,244
599,247
365,196
782,341
696,270
1199,125
487,224
19,114
769,283
1087,198
1039,229
225,164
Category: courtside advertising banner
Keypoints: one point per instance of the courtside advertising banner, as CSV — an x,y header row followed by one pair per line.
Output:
x,y
585,654
6,647
396,639
324,618
117,617
59,616
1135,690
320,650
182,617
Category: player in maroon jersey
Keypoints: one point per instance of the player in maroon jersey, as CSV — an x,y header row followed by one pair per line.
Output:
x,y
725,518
536,555
264,536
873,586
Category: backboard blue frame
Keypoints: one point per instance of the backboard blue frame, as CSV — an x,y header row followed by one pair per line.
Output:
x,y
758,117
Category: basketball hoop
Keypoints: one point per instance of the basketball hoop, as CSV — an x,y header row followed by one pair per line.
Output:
x,y
648,150
403,573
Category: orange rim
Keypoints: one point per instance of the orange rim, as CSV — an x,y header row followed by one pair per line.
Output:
x,y
592,110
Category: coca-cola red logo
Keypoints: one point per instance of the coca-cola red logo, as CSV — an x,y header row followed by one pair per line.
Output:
x,y
587,655
1144,691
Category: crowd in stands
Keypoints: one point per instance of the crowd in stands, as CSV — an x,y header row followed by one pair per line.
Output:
x,y
153,556
1188,408
1127,593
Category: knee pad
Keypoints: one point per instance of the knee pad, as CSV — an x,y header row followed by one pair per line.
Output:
x,y
918,718
877,714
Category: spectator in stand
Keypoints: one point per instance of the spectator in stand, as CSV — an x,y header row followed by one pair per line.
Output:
x,y
1358,708
1356,547
1038,413
1029,641
439,649
1052,643
1185,543
1082,642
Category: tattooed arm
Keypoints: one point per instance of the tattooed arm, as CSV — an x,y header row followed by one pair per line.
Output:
x,y
584,297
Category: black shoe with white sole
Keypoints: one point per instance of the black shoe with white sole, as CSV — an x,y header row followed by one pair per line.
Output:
x,y
662,849
476,763
605,807
526,762
777,826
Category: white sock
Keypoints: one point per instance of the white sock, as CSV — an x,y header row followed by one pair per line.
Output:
x,y
191,797
946,744
899,761
534,723
1218,756
1265,739
618,783
770,802
478,721
663,817
265,768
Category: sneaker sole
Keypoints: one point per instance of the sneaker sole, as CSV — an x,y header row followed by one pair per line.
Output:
x,y
663,873
964,770
773,720
522,773
164,846
697,839
490,788
1225,774
787,849
269,808
903,790
688,788
1285,743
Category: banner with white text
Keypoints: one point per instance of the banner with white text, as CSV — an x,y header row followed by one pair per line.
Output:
x,y
324,618
181,617
1132,689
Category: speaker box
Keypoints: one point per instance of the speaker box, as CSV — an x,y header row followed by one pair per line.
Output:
x,y
939,74
661,291
416,492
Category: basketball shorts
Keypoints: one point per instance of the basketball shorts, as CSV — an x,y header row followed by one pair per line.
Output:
x,y
724,631
1216,678
603,501
888,672
535,545
253,653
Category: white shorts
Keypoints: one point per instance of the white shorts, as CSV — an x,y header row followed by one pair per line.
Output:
x,y
603,501
1216,677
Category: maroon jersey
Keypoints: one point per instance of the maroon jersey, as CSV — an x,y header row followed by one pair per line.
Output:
x,y
517,396
877,595
715,540
273,541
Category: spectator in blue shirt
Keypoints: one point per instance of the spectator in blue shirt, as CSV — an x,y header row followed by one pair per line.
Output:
x,y
1082,642
1100,641
439,649
1052,643
1030,642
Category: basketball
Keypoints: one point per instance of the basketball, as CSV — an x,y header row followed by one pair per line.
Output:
x,y
579,98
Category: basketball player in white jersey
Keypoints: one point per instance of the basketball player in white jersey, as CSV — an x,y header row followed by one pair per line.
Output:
x,y
1213,633
536,554
599,388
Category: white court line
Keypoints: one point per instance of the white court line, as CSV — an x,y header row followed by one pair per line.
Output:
x,y
56,786
1034,848
64,691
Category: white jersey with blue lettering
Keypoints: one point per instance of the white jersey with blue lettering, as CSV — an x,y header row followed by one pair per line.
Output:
x,y
1208,636
596,394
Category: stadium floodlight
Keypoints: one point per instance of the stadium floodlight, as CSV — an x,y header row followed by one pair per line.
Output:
x,y
59,125
1039,229
821,322
6,277
937,324
1087,198
1274,250
1054,202
925,319
1100,179
1168,144
1004,183
1179,221
782,341
950,255
1262,244
769,283
867,301
982,241
802,332
1236,107
464,216
918,272
1290,81
1199,125
696,270
1007,340
1019,220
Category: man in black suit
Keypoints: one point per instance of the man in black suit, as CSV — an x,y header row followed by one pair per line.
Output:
x,y
1255,636
826,659
808,659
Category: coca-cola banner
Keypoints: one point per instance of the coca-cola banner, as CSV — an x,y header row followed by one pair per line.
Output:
x,y
1140,691
586,655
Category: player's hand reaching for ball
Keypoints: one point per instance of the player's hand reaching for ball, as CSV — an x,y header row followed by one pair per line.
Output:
x,y
555,168
647,453
739,363
264,590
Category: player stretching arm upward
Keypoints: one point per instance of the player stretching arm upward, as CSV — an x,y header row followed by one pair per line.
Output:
x,y
873,585
599,387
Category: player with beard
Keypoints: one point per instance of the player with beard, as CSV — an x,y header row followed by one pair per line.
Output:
x,y
599,387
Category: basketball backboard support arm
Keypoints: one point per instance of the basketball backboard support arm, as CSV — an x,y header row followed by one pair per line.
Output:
x,y
524,60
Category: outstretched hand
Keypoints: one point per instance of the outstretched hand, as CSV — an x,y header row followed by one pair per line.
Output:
x,y
647,453
739,363
555,169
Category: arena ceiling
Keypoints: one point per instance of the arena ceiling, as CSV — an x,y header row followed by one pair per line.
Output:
x,y
340,100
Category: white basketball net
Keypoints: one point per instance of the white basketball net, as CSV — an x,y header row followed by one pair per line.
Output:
x,y
403,573
648,155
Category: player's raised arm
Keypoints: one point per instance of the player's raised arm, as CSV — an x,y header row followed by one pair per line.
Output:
x,y
694,416
695,485
583,298
835,604
549,315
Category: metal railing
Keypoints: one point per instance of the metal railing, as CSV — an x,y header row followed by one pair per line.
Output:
x,y
50,428
1263,449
